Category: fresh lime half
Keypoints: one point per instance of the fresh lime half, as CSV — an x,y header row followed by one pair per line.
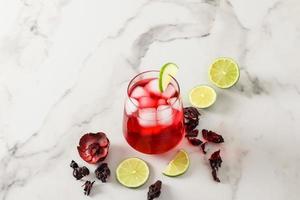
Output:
x,y
132,172
202,96
224,72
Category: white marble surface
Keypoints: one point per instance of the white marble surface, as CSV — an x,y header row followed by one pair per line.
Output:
x,y
65,65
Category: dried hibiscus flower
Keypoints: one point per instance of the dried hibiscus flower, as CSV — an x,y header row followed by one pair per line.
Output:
x,y
215,162
193,133
154,190
203,147
195,141
191,118
102,172
87,187
93,147
211,136
79,172
73,164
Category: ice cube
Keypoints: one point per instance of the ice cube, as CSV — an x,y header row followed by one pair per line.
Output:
x,y
153,87
161,102
139,92
175,103
147,117
131,106
164,115
147,102
169,92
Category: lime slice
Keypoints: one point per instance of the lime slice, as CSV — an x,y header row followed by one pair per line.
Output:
x,y
178,165
202,96
165,75
132,172
224,72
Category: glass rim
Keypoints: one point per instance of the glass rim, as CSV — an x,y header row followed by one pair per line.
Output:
x,y
156,71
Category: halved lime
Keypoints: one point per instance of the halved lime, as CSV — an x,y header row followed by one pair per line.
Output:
x,y
132,172
224,72
178,165
202,96
165,75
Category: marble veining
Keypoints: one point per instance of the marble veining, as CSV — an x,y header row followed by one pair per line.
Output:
x,y
65,66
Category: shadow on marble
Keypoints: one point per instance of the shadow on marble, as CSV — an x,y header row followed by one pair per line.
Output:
x,y
223,103
166,192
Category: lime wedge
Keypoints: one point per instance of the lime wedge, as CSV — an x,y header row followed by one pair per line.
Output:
x,y
132,172
178,165
202,96
224,72
165,75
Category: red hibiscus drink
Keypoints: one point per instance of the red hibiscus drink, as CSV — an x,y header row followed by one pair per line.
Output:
x,y
153,120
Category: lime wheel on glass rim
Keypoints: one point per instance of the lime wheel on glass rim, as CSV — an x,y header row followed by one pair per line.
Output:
x,y
166,73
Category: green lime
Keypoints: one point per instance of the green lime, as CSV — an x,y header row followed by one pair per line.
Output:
x,y
202,96
178,165
224,72
167,71
132,172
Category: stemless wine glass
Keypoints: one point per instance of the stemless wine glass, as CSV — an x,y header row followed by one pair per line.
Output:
x,y
153,121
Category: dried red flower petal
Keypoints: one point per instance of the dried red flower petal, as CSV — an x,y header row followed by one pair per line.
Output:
x,y
194,141
191,113
191,118
203,147
80,172
190,126
93,147
73,164
193,133
102,172
212,136
215,162
154,190
87,187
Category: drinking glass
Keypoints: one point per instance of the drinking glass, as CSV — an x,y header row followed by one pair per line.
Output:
x,y
153,120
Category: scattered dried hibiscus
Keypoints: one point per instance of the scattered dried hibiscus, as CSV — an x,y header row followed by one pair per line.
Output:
x,y
87,187
215,162
93,147
191,118
191,121
211,136
195,141
203,147
193,133
79,172
102,172
74,164
154,190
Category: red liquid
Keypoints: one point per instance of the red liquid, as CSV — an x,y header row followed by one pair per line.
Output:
x,y
154,124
